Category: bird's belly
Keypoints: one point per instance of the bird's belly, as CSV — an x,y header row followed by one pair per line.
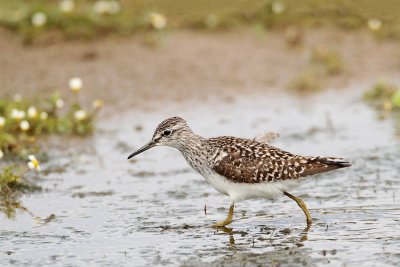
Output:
x,y
243,191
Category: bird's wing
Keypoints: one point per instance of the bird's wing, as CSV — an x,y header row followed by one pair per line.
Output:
x,y
248,161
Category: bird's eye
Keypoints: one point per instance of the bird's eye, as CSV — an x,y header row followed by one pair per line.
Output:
x,y
166,132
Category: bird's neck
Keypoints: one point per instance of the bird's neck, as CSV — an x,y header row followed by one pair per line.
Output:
x,y
192,144
194,151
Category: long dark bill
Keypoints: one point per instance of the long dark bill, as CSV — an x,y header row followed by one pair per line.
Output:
x,y
142,149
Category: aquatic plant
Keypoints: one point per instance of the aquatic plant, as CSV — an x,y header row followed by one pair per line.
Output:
x,y
23,122
13,182
384,95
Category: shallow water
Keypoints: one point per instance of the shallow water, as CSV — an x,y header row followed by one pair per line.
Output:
x,y
155,210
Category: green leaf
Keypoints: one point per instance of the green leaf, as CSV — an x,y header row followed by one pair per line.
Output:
x,y
396,98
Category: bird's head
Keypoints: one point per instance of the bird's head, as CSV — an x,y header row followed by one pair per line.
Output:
x,y
172,132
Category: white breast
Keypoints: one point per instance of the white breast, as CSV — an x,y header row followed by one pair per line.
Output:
x,y
242,191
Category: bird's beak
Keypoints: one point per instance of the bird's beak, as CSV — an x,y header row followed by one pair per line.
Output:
x,y
142,149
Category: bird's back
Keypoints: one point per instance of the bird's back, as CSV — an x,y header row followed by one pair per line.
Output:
x,y
248,161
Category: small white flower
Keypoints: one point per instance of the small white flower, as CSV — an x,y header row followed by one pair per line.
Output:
x,y
278,7
59,103
32,112
66,6
17,114
106,7
14,113
158,21
24,125
33,163
100,7
43,115
1,154
17,97
75,84
80,115
39,19
374,24
2,121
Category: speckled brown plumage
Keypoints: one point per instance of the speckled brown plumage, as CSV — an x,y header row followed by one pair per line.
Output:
x,y
248,161
239,160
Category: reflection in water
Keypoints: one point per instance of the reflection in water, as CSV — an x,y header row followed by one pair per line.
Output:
x,y
230,233
305,233
293,256
297,238
283,246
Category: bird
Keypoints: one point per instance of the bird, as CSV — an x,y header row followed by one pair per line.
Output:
x,y
241,168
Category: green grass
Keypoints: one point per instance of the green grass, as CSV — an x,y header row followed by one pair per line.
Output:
x,y
384,95
83,22
22,123
12,185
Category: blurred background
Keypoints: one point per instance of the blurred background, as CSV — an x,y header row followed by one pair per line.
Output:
x,y
84,83
196,48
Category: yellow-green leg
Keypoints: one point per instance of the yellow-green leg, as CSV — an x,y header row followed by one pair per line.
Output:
x,y
228,219
302,205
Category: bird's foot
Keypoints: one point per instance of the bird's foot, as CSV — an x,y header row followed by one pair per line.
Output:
x,y
221,224
228,219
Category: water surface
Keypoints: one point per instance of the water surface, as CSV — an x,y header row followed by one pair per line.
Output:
x,y
155,210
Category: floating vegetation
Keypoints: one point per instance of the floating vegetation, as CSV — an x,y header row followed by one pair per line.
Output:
x,y
22,123
384,96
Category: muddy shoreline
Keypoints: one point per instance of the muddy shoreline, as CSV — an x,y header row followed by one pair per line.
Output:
x,y
128,73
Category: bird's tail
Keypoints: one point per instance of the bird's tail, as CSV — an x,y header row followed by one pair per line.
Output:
x,y
338,162
317,165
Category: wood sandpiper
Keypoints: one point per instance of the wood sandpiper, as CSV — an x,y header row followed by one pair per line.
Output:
x,y
241,168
